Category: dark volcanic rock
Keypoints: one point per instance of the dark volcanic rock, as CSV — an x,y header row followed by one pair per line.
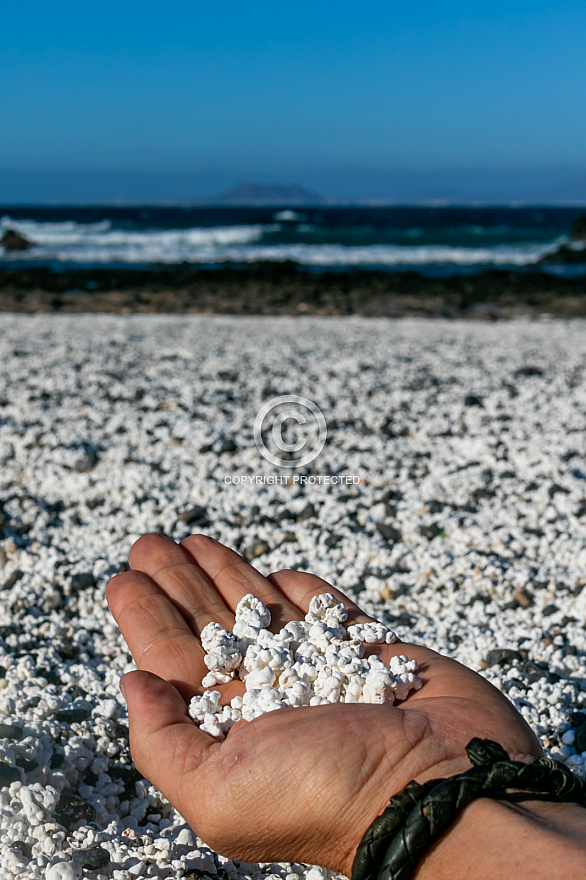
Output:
x,y
580,741
14,241
8,774
389,532
87,462
196,515
11,731
528,372
93,858
502,657
308,512
83,580
72,809
13,579
431,531
76,714
256,549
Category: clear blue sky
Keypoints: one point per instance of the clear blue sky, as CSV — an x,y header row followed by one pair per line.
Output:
x,y
306,92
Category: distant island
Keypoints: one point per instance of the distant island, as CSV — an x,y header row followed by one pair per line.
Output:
x,y
272,194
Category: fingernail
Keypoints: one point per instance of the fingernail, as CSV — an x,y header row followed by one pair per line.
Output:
x,y
123,688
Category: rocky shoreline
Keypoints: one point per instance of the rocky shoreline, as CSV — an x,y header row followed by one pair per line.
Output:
x,y
285,289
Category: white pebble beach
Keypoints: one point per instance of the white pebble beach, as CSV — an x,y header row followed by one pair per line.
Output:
x,y
465,530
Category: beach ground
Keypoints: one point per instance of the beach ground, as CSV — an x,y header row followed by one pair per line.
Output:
x,y
463,526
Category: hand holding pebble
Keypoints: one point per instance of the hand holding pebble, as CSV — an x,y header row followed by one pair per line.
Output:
x,y
302,783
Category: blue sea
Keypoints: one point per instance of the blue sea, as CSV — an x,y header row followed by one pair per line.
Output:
x,y
431,240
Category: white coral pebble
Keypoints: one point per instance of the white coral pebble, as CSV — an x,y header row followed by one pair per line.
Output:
x,y
64,871
373,633
310,662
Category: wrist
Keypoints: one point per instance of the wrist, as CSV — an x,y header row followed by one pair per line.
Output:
x,y
543,840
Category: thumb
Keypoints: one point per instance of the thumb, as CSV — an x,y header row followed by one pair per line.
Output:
x,y
165,743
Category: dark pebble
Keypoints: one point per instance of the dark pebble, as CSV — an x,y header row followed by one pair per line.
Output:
x,y
556,489
502,657
389,532
528,371
71,809
10,731
128,775
228,445
87,462
26,764
83,580
8,774
194,516
52,676
432,531
256,549
72,716
549,610
68,652
580,741
308,512
93,858
23,847
534,670
14,578
473,400
332,541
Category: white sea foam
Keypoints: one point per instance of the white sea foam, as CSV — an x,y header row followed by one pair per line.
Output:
x,y
100,243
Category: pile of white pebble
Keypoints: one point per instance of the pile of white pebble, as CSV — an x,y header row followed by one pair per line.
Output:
x,y
465,529
307,663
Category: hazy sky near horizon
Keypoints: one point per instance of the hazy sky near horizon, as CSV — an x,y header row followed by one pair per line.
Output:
x,y
265,90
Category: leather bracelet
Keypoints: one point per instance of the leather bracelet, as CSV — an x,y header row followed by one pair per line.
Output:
x,y
396,840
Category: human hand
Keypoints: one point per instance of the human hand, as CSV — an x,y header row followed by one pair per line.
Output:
x,y
297,784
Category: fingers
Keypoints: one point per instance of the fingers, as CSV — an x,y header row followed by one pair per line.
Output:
x,y
233,577
185,583
157,634
165,743
299,587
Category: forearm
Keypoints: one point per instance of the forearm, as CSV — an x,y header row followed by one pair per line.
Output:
x,y
495,840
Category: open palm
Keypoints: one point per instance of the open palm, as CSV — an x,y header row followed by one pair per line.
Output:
x,y
295,784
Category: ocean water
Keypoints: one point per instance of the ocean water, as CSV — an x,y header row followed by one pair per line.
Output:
x,y
427,239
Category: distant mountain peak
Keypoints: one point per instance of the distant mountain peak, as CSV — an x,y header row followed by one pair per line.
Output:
x,y
271,194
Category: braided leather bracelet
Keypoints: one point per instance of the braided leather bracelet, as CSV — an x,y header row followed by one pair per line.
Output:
x,y
396,840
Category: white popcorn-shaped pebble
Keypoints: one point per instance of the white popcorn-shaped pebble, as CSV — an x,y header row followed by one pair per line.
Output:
x,y
378,687
311,662
251,615
299,694
373,633
294,632
258,678
223,649
326,607
212,678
